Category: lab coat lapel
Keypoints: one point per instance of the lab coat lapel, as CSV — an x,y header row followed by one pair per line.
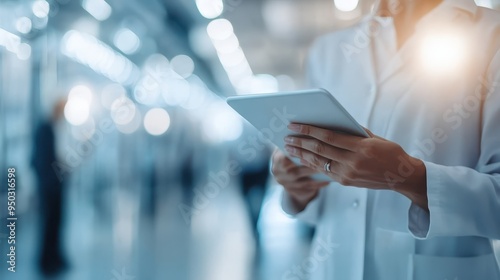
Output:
x,y
401,59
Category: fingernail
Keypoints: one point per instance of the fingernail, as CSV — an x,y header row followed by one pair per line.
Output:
x,y
294,127
288,139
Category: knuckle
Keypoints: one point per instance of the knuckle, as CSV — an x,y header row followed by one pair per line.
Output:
x,y
293,172
344,181
274,169
315,160
367,149
328,136
318,147
277,157
356,164
306,130
350,174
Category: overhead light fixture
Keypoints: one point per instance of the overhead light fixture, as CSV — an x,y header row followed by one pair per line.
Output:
x,y
99,9
23,25
40,8
90,51
220,29
210,8
346,5
127,41
13,44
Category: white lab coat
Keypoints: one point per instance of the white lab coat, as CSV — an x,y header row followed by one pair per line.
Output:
x,y
440,118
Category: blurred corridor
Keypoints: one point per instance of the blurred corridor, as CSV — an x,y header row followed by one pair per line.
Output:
x,y
156,177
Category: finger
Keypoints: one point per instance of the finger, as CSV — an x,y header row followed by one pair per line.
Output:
x,y
307,184
281,162
317,161
340,140
335,167
318,147
298,172
369,132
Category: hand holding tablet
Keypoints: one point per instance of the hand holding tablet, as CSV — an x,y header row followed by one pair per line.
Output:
x,y
271,114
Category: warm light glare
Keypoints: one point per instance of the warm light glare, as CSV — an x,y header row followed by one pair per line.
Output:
x,y
210,8
346,5
442,53
156,121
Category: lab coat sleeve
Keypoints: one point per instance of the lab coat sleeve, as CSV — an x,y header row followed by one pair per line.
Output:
x,y
465,201
309,215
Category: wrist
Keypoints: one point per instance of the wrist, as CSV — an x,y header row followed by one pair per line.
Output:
x,y
414,186
300,199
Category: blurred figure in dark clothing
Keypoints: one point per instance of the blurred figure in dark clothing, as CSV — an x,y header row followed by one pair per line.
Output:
x,y
254,176
50,194
254,182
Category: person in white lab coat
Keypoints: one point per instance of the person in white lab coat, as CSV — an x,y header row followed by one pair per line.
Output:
x,y
420,199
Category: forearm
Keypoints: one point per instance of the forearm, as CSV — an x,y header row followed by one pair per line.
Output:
x,y
414,187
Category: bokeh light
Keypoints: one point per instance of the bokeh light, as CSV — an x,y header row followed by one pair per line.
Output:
x,y
77,108
41,8
23,25
210,8
156,121
183,65
123,110
127,41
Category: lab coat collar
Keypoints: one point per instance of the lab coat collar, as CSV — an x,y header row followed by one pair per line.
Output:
x,y
468,6
448,11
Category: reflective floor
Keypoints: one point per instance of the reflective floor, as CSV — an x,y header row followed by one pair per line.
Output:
x,y
218,244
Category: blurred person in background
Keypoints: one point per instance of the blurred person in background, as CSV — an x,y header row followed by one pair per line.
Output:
x,y
420,198
253,180
50,193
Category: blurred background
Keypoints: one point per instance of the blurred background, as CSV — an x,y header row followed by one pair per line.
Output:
x,y
155,176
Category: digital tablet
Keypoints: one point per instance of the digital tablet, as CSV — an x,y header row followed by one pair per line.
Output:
x,y
271,113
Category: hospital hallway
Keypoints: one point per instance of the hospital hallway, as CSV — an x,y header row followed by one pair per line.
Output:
x,y
138,139
130,244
